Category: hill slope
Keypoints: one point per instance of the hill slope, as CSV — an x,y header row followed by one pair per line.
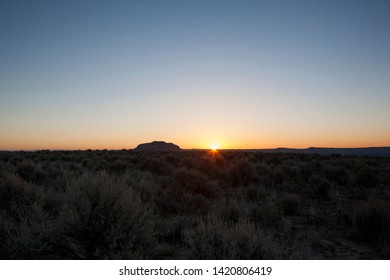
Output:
x,y
157,146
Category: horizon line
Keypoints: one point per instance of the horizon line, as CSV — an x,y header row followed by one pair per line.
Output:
x,y
199,149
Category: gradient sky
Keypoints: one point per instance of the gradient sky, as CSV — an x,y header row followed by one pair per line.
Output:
x,y
240,74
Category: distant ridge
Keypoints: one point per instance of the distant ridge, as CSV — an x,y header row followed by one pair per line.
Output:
x,y
157,146
370,151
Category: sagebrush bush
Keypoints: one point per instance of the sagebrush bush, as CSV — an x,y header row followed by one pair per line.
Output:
x,y
242,173
103,218
366,176
6,167
320,187
118,166
337,174
266,211
291,204
231,211
31,172
24,225
255,192
215,239
17,195
30,237
173,160
192,181
372,224
145,183
193,203
159,167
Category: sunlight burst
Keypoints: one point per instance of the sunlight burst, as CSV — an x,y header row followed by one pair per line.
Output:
x,y
214,147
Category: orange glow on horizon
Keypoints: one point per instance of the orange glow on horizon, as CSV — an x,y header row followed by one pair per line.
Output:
x,y
79,141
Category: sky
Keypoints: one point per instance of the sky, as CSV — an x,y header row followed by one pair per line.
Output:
x,y
112,74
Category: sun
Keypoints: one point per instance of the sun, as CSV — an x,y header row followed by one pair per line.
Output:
x,y
214,147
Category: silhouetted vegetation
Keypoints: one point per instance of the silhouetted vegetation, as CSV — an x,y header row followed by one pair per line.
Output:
x,y
100,204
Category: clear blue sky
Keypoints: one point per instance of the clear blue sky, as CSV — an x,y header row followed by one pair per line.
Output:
x,y
239,74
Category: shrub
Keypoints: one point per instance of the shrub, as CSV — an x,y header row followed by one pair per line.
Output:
x,y
231,211
173,160
29,237
16,195
291,204
167,203
372,224
104,218
320,187
337,174
366,177
159,167
267,211
255,193
277,176
193,204
144,183
215,239
6,167
118,166
24,226
174,230
4,237
242,173
30,172
192,181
